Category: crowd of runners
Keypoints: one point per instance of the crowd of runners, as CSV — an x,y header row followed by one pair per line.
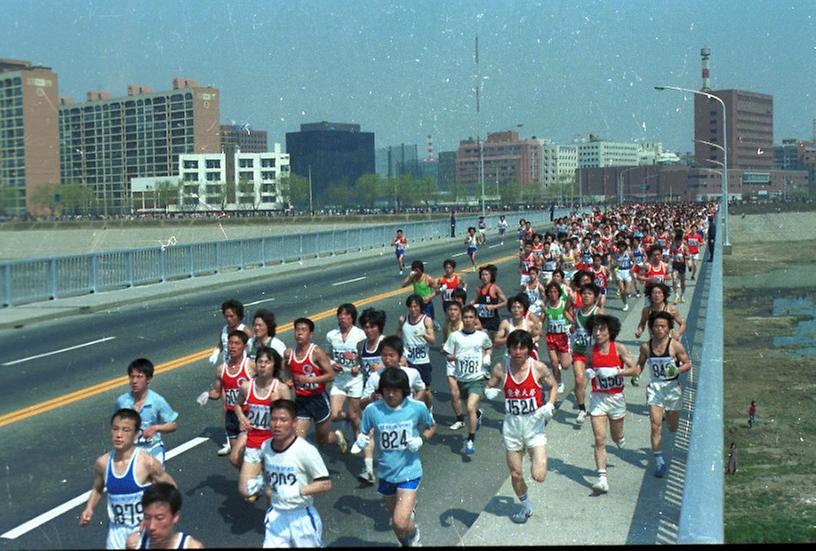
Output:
x,y
372,394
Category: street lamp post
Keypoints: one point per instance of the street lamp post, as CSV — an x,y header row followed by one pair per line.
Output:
x,y
620,183
724,190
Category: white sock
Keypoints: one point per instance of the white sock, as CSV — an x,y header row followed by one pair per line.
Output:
x,y
369,464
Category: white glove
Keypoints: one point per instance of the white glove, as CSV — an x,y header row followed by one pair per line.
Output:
x,y
590,374
288,493
203,398
216,354
486,360
255,485
545,412
491,393
359,444
414,443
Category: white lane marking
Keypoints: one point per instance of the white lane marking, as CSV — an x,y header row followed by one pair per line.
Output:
x,y
36,522
259,301
459,254
349,281
59,351
494,246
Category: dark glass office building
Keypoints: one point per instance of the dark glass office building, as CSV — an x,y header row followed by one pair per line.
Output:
x,y
337,154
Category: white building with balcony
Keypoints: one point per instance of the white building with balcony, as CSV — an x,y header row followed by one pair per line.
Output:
x,y
598,153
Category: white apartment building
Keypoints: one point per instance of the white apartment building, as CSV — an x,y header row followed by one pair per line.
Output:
x,y
203,181
654,154
556,161
598,153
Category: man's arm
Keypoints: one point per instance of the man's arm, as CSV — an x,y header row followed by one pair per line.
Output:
x,y
681,354
630,368
96,490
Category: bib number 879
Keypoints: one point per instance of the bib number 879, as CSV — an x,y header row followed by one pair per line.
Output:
x,y
123,510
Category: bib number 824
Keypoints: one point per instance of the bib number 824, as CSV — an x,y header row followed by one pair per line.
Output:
x,y
393,439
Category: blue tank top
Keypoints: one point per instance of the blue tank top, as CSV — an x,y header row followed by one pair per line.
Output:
x,y
124,495
144,541
624,261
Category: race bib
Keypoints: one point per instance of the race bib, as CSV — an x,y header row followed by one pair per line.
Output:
x,y
516,406
417,352
580,337
556,326
258,416
394,436
663,368
468,365
482,311
126,509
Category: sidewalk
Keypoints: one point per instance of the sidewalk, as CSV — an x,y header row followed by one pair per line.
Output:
x,y
639,508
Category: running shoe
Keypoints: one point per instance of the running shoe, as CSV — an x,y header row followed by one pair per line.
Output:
x,y
635,381
341,441
661,469
366,476
560,388
625,307
415,540
400,272
602,486
457,425
581,416
224,450
638,294
621,443
682,299
521,516
470,448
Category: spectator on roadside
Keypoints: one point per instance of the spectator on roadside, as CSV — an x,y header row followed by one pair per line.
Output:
x,y
732,459
752,414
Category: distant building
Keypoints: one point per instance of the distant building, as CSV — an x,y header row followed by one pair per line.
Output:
x,y
654,154
393,160
29,133
446,170
335,153
507,158
235,138
557,162
105,142
599,153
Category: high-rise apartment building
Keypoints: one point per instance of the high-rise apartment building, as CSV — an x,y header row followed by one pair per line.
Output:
x,y
105,142
507,158
29,133
393,160
558,162
599,153
334,153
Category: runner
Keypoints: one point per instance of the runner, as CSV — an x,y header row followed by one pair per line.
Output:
x,y
520,318
679,252
581,342
256,396
453,324
489,299
228,378
623,261
418,334
161,504
607,365
502,228
157,416
600,277
568,260
694,240
638,258
470,349
397,421
472,242
264,327
527,259
138,470
557,319
449,282
311,370
295,473
658,294
656,271
345,360
400,243
549,260
535,292
424,286
666,358
482,237
525,416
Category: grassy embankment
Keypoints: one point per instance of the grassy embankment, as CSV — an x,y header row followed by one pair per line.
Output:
x,y
772,497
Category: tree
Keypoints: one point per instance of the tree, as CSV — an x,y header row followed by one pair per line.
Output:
x,y
166,191
426,188
296,191
511,192
369,189
76,198
339,195
10,201
407,194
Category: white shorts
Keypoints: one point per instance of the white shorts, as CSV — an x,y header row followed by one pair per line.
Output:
x,y
346,385
522,432
450,368
297,528
252,455
624,275
695,256
611,405
665,394
118,535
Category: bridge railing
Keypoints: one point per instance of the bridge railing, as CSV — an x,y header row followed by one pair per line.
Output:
x,y
701,514
40,279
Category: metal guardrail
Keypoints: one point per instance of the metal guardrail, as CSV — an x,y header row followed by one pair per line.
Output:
x,y
40,279
701,514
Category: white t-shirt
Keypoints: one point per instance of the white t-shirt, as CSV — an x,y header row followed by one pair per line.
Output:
x,y
299,464
344,352
467,348
414,381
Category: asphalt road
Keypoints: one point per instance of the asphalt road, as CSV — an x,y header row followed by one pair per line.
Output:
x,y
47,458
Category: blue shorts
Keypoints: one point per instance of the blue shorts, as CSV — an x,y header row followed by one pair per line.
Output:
x,y
313,407
471,250
388,489
424,372
400,252
428,309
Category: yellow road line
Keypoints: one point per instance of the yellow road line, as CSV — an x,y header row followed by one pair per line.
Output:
x,y
110,384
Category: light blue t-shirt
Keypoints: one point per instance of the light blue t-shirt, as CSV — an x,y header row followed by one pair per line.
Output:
x,y
392,428
155,411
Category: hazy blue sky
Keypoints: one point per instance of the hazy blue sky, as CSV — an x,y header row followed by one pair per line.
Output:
x,y
405,69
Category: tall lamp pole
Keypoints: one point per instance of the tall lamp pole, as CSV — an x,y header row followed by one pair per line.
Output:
x,y
620,183
724,186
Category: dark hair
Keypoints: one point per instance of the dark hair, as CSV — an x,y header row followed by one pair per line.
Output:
x,y
418,265
591,287
661,315
233,305
528,242
413,297
611,322
576,279
454,303
283,403
394,343
533,268
649,287
450,261
238,333
162,492
654,248
491,269
349,309
142,365
470,308
127,413
273,355
552,285
374,317
522,299
269,319
394,377
304,321
472,228
520,337
459,293
559,271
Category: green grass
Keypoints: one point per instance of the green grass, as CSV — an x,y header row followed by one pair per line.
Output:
x,y
764,208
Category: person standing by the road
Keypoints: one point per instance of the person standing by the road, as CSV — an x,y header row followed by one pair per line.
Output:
x,y
526,414
295,473
453,223
157,416
400,425
732,459
161,504
752,409
712,237
125,472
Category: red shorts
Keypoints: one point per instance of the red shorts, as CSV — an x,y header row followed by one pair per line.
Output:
x,y
579,358
558,342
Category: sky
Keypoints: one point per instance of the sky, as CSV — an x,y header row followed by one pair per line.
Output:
x,y
405,69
